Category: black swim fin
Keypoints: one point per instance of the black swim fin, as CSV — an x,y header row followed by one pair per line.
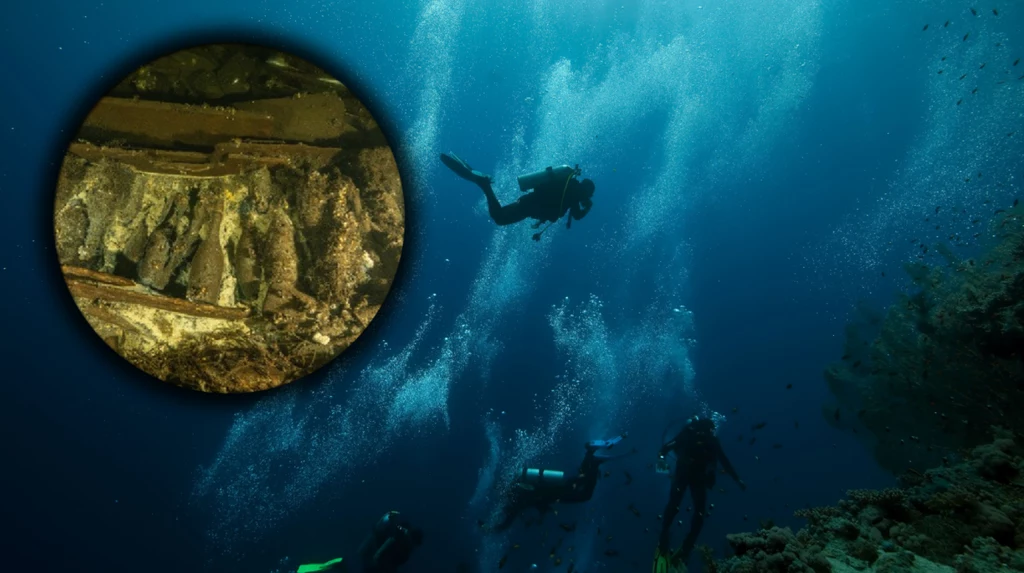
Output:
x,y
462,169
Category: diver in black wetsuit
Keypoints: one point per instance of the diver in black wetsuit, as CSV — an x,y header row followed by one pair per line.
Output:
x,y
390,544
540,489
698,453
556,191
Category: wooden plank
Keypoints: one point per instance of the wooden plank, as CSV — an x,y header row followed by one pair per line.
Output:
x,y
228,158
106,278
169,124
109,293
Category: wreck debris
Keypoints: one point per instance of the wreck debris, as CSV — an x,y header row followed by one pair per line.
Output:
x,y
229,218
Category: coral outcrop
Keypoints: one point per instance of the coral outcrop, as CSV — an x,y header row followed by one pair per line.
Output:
x,y
945,363
963,517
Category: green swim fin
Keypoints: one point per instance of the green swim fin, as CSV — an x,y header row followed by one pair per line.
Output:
x,y
660,562
462,169
334,565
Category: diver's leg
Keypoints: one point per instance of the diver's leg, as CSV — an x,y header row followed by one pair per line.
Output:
x,y
518,500
502,215
675,497
700,495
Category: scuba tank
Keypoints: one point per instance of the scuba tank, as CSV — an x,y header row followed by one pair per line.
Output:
x,y
534,476
559,175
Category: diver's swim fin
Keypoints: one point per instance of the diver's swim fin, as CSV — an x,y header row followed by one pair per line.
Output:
x,y
604,443
462,169
660,562
336,565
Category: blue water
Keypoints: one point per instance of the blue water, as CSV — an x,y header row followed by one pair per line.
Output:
x,y
758,165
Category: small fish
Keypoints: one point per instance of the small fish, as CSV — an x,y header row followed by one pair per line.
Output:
x,y
789,386
611,552
568,527
734,410
998,211
958,102
995,11
1017,61
937,207
572,567
759,425
516,546
943,58
836,415
740,439
973,11
963,76
925,28
946,25
966,36
796,425
974,91
752,440
1016,202
883,273
857,363
629,478
1000,82
502,561
847,356
982,66
607,473
634,510
777,446
940,71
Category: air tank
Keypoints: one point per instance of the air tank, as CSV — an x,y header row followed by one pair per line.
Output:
x,y
542,477
559,175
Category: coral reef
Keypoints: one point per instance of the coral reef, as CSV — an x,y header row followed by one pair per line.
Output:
x,y
945,363
966,517
215,260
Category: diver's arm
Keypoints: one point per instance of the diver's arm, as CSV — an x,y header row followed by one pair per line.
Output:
x,y
727,466
587,204
376,556
669,446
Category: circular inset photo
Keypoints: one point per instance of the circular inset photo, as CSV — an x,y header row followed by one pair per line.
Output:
x,y
229,218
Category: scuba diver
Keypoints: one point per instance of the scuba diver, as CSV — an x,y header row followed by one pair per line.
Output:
x,y
698,453
389,545
539,488
555,191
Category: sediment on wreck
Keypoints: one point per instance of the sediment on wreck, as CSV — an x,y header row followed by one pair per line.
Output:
x,y
229,247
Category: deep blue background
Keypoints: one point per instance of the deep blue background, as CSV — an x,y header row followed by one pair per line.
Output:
x,y
100,460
